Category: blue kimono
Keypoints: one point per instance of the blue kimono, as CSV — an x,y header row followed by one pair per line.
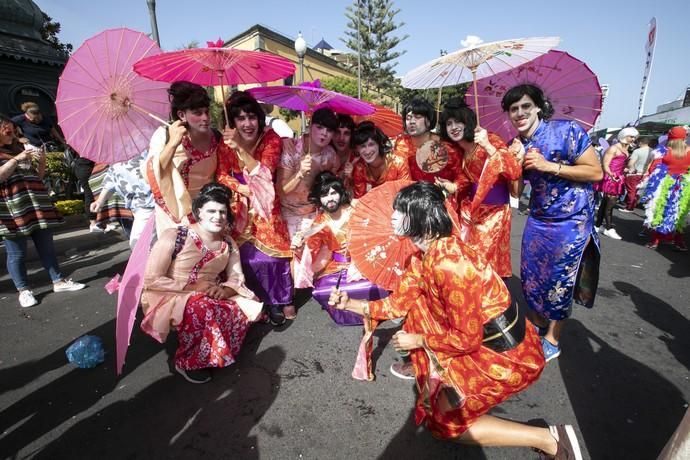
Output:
x,y
560,247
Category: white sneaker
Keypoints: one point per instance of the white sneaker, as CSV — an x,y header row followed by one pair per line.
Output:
x,y
27,299
67,285
612,233
110,228
95,229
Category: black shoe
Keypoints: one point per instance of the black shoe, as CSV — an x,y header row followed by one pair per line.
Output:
x,y
276,315
195,376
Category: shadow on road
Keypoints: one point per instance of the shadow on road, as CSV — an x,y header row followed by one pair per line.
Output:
x,y
662,316
175,419
624,409
416,442
166,419
64,397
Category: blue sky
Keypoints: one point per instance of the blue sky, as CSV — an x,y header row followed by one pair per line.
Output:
x,y
609,35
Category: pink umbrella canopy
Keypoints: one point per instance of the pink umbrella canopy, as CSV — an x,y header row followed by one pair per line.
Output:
x,y
568,83
215,66
309,96
106,111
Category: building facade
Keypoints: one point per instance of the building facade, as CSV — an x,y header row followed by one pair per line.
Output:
x,y
29,66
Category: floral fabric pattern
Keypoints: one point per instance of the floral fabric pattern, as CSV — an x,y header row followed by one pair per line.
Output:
x,y
211,333
489,233
448,296
268,234
560,224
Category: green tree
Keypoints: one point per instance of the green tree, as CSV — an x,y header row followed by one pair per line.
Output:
x,y
49,32
370,32
344,85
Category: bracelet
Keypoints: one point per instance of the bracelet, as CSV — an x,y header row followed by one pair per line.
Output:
x,y
558,171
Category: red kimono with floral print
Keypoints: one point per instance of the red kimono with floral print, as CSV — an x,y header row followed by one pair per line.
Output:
x,y
489,231
395,168
447,297
270,234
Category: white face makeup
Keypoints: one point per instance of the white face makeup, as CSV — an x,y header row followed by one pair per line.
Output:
x,y
400,223
213,217
524,115
416,124
369,151
455,129
247,125
331,201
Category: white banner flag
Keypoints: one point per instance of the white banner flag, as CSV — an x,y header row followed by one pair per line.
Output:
x,y
649,49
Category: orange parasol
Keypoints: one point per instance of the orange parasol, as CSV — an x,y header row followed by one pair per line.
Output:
x,y
377,253
384,118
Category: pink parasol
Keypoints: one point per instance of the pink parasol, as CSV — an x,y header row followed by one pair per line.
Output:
x,y
310,96
215,66
568,83
106,111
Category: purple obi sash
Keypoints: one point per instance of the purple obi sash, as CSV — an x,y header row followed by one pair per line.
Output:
x,y
498,194
239,177
340,258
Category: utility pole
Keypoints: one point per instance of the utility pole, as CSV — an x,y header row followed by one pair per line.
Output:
x,y
154,23
359,56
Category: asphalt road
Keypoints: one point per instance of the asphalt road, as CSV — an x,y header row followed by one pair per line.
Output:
x,y
622,379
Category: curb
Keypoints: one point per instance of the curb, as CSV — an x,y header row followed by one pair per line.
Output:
x,y
74,235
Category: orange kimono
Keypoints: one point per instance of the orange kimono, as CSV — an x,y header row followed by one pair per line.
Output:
x,y
448,296
395,169
269,234
487,205
449,163
449,160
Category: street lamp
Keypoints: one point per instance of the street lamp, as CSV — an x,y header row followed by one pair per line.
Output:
x,y
154,23
301,50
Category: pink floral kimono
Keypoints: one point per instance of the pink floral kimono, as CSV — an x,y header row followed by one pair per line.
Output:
x,y
210,331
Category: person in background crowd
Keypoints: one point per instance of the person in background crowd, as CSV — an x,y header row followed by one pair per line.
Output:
x,y
560,247
469,355
637,166
83,168
248,166
302,160
194,283
614,164
114,209
36,127
376,164
26,211
277,124
125,179
485,156
667,194
342,143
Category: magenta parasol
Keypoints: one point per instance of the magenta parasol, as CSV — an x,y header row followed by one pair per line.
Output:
x,y
310,96
568,83
106,111
215,65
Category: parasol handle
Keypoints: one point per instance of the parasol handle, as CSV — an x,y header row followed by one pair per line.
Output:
x,y
222,94
476,98
130,104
